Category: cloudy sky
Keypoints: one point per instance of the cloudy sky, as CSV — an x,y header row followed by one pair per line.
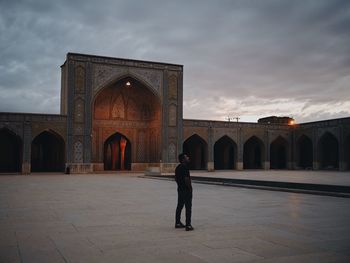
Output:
x,y
241,58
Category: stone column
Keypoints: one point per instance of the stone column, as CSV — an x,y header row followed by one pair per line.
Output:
x,y
341,149
210,164
292,156
239,165
315,164
27,138
266,164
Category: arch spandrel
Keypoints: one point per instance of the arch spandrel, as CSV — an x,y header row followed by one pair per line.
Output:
x,y
199,134
104,76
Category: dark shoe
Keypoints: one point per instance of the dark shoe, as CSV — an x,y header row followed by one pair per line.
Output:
x,y
179,225
189,228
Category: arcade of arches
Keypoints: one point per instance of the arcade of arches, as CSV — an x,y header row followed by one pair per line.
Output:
x,y
225,153
48,152
126,125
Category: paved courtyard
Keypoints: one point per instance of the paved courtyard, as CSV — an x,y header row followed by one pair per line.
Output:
x,y
124,218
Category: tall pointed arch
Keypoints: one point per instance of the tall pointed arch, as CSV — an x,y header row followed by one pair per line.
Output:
x,y
328,151
10,152
253,153
197,149
225,154
278,153
304,152
47,152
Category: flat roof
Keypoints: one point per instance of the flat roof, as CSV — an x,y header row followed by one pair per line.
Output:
x,y
125,59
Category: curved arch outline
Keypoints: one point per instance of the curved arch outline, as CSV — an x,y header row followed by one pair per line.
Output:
x,y
225,135
52,131
124,76
183,141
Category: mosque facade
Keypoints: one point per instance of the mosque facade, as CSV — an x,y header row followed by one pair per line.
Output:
x,y
122,114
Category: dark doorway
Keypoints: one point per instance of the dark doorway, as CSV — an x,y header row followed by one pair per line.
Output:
x,y
305,152
224,154
329,152
117,153
253,154
196,148
10,152
278,153
347,152
47,153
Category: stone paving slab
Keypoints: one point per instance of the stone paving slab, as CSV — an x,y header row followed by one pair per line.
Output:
x,y
124,218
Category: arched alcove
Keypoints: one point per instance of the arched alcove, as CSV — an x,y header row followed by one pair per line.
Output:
x,y
278,153
117,153
47,153
225,154
196,148
10,152
304,154
328,152
130,107
347,152
253,153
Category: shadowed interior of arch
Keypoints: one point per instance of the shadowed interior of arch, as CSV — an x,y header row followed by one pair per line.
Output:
x,y
10,152
225,154
329,151
304,153
47,153
253,153
278,153
347,152
196,148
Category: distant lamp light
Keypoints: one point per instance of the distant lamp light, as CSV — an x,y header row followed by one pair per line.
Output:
x,y
291,122
128,84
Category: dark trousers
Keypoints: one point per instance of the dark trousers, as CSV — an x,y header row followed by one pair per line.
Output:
x,y
184,198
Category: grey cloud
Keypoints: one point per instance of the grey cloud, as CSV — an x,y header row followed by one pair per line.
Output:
x,y
233,49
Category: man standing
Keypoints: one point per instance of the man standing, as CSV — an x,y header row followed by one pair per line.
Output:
x,y
184,192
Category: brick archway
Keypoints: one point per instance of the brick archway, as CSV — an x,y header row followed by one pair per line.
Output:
x,y
47,153
278,153
196,148
304,152
128,106
328,151
253,153
225,154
